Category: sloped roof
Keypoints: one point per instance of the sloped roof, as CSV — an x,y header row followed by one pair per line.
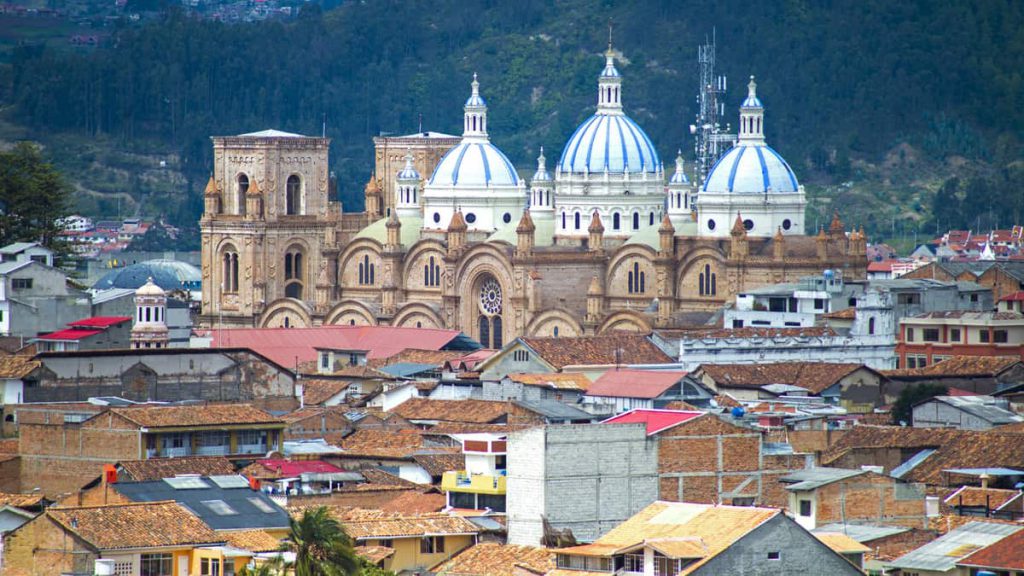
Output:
x,y
971,496
475,411
814,376
317,390
627,383
656,420
493,559
438,464
288,468
17,366
942,554
253,540
195,415
135,525
372,442
435,358
982,407
606,349
841,543
813,478
374,554
960,366
554,380
409,526
21,500
159,468
1006,554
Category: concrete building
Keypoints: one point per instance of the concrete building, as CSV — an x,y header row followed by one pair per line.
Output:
x,y
934,336
97,333
617,391
964,412
36,298
483,482
585,478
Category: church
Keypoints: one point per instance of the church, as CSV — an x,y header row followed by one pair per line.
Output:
x,y
454,237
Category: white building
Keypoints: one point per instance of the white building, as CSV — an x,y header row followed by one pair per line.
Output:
x,y
786,305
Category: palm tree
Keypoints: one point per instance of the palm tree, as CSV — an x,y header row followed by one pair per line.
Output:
x,y
321,545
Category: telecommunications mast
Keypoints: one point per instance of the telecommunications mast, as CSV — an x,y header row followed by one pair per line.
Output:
x,y
710,139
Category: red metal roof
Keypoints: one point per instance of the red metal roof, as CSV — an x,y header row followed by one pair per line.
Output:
x,y
1015,297
288,345
99,321
70,334
656,420
634,383
883,266
295,468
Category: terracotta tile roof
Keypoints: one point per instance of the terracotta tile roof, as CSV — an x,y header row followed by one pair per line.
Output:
x,y
844,314
841,543
973,496
870,436
608,349
556,380
814,376
414,502
374,554
474,411
135,525
446,428
18,366
407,526
1006,555
961,366
201,415
378,477
715,527
372,442
254,540
417,356
317,390
945,523
21,500
311,412
438,464
362,373
627,383
492,559
160,468
727,401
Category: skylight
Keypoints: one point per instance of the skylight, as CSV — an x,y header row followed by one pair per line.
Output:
x,y
186,482
230,481
220,507
261,504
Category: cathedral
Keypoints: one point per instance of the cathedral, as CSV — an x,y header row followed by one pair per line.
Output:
x,y
454,237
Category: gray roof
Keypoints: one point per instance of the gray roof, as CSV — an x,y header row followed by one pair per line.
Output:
x,y
555,410
317,446
8,267
17,247
811,478
406,369
942,554
902,469
986,408
216,500
861,532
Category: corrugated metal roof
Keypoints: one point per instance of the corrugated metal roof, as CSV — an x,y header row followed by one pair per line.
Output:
x,y
811,478
862,532
909,465
656,420
942,554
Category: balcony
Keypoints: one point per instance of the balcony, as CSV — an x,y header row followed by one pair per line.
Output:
x,y
460,481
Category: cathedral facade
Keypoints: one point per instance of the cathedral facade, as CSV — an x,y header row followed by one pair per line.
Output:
x,y
453,237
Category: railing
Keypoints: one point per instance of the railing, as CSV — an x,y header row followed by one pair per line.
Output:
x,y
460,481
221,450
252,448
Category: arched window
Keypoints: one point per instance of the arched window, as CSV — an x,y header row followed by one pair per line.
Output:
x,y
496,328
548,201
366,271
293,276
636,220
293,196
616,221
563,220
651,222
431,273
707,282
485,330
636,280
229,275
576,217
871,325
148,309
243,187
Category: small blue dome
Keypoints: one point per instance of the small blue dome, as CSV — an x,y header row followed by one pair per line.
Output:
x,y
167,274
475,100
752,102
611,141
474,164
542,175
408,173
751,170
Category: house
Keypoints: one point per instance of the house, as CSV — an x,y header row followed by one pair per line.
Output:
x,y
856,387
567,387
61,454
825,495
323,392
281,476
845,546
130,538
312,422
159,468
942,555
391,450
17,371
978,412
698,539
708,459
886,542
999,375
36,298
98,333
586,478
617,391
410,542
986,502
934,336
427,412
481,484
493,559
1004,556
27,252
1012,302
1001,277
590,355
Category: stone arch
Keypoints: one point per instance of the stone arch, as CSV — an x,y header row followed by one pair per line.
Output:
x,y
286,312
361,265
350,312
632,268
545,323
693,280
483,263
418,268
625,320
418,315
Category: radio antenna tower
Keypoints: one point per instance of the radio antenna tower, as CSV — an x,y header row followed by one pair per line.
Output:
x,y
710,139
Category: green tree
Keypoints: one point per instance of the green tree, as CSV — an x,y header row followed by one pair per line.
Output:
x,y
155,239
33,197
902,410
321,545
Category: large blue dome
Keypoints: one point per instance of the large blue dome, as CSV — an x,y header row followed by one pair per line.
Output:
x,y
609,141
167,274
751,170
474,164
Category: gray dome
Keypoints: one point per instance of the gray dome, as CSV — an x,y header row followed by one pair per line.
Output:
x,y
167,274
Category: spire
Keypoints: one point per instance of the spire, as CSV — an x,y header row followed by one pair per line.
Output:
x,y
458,223
542,173
609,84
408,172
835,228
211,187
751,117
679,176
254,188
738,229
596,226
475,122
666,225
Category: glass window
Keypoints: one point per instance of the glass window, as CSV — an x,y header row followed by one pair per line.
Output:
x,y
432,545
634,563
805,507
220,507
1000,336
954,334
209,567
910,334
930,334
155,564
983,335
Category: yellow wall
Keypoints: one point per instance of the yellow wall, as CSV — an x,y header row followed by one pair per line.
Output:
x,y
407,554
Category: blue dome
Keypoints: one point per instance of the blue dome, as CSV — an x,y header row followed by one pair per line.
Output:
x,y
751,170
752,102
475,100
167,274
611,141
474,164
408,173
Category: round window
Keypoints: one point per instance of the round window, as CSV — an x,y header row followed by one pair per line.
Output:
x,y
490,297
711,224
506,218
437,218
748,224
786,224
470,218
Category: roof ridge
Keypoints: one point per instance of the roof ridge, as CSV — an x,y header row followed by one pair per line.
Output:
x,y
111,505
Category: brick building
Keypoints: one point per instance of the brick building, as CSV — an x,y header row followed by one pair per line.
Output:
x,y
1003,278
824,495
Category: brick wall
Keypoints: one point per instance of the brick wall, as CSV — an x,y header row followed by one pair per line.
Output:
x,y
41,548
872,497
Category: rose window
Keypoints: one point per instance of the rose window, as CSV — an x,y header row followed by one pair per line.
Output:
x,y
490,297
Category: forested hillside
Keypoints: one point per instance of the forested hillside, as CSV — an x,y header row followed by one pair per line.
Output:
x,y
877,103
